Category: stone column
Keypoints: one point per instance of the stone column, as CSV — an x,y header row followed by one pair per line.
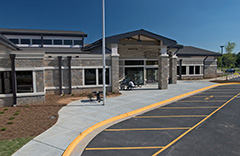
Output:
x,y
115,68
172,69
163,68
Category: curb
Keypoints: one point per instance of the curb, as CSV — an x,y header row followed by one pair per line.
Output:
x,y
121,117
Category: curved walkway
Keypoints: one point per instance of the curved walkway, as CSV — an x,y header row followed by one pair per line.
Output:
x,y
77,116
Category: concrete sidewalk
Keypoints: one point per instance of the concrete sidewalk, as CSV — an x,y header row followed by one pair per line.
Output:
x,y
79,115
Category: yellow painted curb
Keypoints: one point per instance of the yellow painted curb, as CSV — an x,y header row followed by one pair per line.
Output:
x,y
75,142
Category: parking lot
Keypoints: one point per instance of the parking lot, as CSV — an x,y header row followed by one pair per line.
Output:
x,y
203,124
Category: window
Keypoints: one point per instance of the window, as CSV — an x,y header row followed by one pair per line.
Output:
x,y
15,41
191,70
57,42
133,62
5,82
152,62
36,41
67,42
197,69
25,41
178,70
90,76
184,71
77,42
24,82
100,77
47,42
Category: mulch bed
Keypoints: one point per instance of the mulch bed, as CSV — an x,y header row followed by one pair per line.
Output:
x,y
32,120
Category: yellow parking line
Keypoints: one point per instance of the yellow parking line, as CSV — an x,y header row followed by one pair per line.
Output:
x,y
212,96
147,129
188,107
185,133
205,101
172,116
123,148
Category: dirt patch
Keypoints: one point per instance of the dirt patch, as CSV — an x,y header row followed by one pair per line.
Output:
x,y
32,120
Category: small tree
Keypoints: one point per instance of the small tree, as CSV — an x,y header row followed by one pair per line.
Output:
x,y
238,60
229,59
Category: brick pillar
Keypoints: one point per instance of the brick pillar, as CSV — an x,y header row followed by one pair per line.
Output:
x,y
172,69
163,71
115,73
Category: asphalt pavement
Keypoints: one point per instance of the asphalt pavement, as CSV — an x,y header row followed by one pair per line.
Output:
x,y
203,124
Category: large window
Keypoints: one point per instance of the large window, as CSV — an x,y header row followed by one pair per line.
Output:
x,y
15,41
47,42
90,76
184,70
197,69
67,42
100,76
5,83
25,41
24,81
77,42
36,41
191,70
57,42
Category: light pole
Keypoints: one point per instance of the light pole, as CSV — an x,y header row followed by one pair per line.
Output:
x,y
103,52
222,57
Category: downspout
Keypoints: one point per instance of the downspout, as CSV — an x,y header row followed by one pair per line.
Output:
x,y
204,63
14,81
41,40
180,69
69,74
60,74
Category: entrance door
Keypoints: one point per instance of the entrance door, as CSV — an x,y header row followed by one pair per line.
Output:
x,y
152,75
135,74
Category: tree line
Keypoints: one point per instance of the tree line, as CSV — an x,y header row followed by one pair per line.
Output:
x,y
231,58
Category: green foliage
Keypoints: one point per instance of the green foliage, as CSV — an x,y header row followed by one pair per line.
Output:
x,y
27,106
17,113
230,47
230,59
10,122
11,118
1,112
3,129
5,109
8,147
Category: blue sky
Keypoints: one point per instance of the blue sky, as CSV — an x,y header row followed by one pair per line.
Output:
x,y
202,23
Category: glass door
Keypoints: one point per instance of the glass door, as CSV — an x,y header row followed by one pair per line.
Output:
x,y
152,75
135,74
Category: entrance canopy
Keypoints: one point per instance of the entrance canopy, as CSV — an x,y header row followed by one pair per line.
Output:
x,y
137,36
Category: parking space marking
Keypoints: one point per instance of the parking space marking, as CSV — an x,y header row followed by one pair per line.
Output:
x,y
172,116
204,101
198,107
123,148
147,129
212,96
192,128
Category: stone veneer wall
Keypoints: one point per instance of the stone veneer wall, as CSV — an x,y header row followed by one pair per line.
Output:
x,y
210,69
77,64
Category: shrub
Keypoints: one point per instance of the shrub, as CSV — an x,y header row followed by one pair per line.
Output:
x,y
3,129
1,112
5,109
9,122
17,113
27,106
11,118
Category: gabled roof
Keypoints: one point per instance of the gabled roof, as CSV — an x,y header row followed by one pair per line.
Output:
x,y
194,51
40,32
117,38
8,43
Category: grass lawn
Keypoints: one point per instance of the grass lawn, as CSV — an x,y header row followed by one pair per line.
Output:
x,y
8,147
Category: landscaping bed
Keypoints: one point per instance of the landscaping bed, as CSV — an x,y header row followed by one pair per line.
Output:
x,y
31,120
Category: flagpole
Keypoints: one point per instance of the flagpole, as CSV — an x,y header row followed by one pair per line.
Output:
x,y
103,52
